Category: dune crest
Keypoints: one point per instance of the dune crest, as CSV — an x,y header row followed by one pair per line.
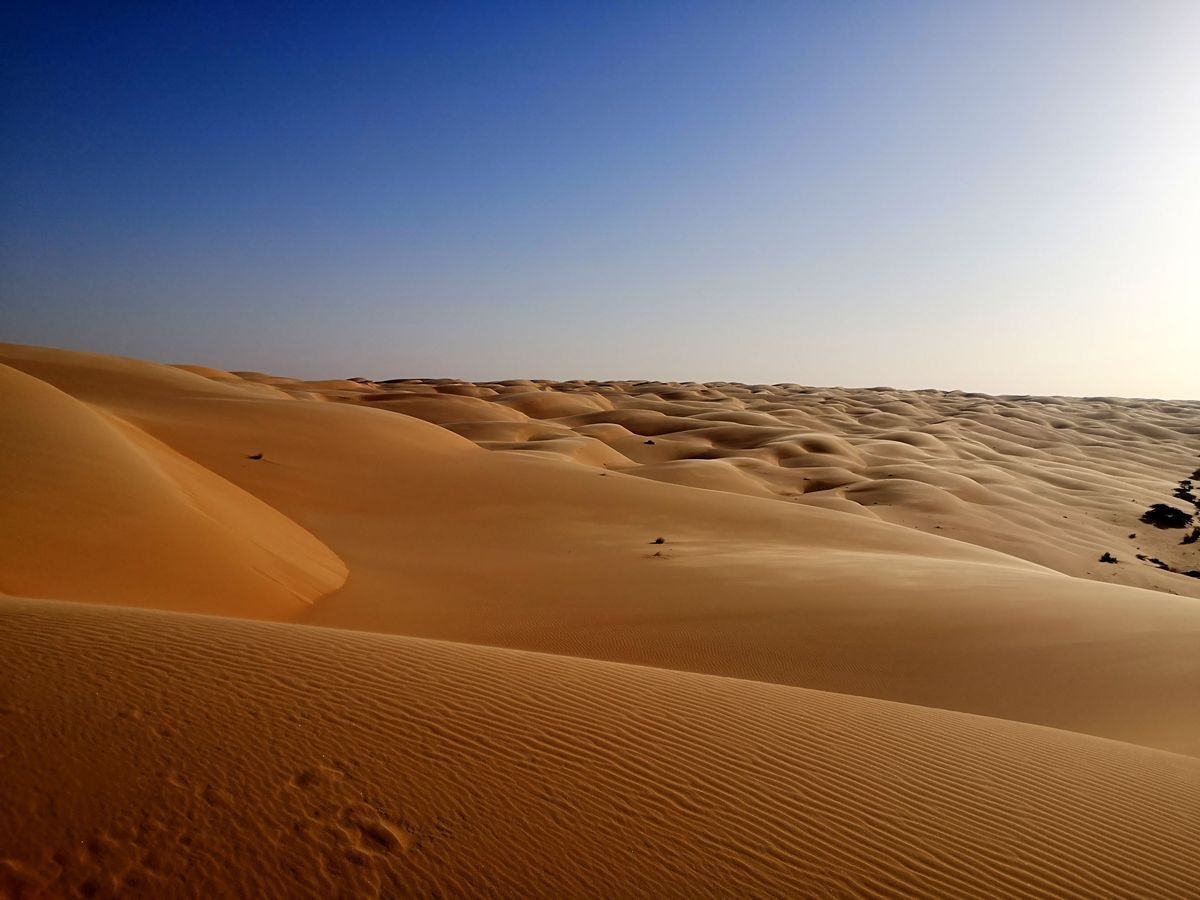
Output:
x,y
96,510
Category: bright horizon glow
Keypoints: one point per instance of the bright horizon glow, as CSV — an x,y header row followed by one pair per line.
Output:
x,y
998,197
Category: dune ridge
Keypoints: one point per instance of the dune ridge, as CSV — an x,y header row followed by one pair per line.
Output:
x,y
96,509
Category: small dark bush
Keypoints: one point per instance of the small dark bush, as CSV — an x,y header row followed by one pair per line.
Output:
x,y
1160,515
659,541
1108,558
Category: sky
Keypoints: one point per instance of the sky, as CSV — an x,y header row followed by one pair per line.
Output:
x,y
990,196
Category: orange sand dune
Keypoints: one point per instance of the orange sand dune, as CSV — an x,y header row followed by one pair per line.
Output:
x,y
264,760
95,509
864,605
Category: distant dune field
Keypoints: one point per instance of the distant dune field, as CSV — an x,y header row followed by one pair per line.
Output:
x,y
269,637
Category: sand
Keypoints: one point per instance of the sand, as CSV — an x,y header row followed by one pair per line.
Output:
x,y
875,653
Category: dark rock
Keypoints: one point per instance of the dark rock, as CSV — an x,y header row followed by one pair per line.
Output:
x,y
659,540
1108,558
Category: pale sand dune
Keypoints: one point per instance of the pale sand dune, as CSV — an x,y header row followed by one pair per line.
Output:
x,y
1055,480
244,759
135,486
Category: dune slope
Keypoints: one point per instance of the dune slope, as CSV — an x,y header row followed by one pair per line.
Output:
x,y
269,760
95,509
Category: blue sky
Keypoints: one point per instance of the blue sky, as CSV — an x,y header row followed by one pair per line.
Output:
x,y
989,196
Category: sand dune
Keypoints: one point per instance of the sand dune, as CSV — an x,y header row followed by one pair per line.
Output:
x,y
1055,480
875,650
260,760
95,509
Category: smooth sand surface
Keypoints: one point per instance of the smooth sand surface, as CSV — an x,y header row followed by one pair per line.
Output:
x,y
875,653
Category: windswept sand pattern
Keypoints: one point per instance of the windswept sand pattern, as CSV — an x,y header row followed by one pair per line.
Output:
x,y
377,766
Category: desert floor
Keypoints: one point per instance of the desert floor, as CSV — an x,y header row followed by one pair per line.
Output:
x,y
423,637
